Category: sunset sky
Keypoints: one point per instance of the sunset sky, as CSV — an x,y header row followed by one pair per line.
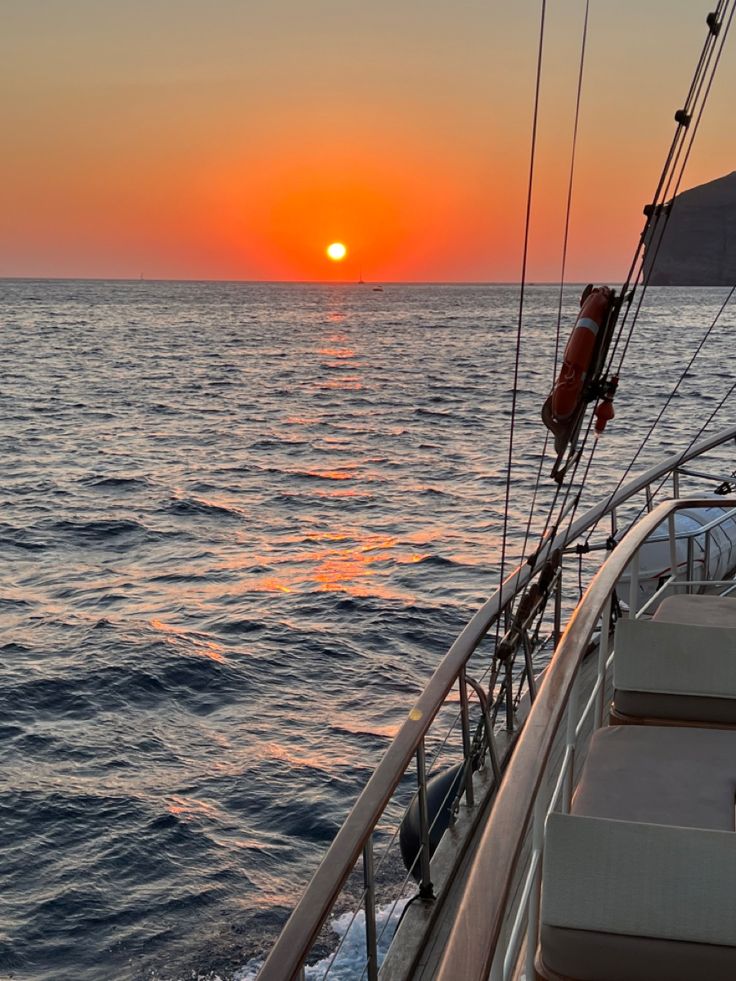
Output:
x,y
236,139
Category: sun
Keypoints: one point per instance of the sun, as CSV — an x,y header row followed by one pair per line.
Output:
x,y
336,251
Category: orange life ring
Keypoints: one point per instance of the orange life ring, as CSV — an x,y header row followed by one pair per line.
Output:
x,y
580,353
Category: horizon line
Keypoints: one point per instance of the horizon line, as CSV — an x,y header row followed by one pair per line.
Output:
x,y
299,282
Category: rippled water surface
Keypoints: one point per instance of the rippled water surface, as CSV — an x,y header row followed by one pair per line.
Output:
x,y
240,525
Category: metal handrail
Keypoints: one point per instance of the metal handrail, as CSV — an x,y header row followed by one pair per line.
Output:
x,y
701,529
723,478
471,946
303,926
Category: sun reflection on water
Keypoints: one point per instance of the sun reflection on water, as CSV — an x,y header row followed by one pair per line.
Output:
x,y
195,643
353,562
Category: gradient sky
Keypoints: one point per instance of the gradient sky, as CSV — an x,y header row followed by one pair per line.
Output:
x,y
234,139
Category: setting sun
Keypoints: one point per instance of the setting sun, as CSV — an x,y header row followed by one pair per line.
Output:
x,y
336,251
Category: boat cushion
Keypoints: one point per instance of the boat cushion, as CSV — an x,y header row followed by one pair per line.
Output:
x,y
599,956
660,775
714,611
637,894
673,670
636,706
639,777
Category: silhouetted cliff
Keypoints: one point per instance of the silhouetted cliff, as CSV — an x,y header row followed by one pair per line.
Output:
x,y
699,245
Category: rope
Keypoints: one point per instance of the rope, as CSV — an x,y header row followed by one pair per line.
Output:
x,y
657,217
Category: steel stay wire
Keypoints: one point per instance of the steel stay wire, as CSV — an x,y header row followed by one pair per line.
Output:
x,y
650,229
721,9
658,211
694,86
519,326
668,400
689,446
652,222
562,280
663,215
724,26
664,182
627,297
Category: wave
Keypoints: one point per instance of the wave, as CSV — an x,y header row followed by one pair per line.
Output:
x,y
181,577
192,506
346,960
239,626
20,538
100,530
275,442
107,482
151,675
438,561
434,413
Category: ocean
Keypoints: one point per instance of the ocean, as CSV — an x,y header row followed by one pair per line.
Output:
x,y
241,524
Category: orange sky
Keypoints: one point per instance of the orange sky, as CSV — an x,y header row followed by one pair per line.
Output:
x,y
235,140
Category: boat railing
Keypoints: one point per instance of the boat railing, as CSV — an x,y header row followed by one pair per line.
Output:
x,y
673,537
494,932
466,680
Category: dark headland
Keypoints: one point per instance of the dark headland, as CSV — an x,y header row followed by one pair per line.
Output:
x,y
699,245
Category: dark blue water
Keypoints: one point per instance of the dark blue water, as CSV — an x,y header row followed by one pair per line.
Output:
x,y
240,526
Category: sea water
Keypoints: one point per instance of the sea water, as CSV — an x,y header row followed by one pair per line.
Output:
x,y
241,524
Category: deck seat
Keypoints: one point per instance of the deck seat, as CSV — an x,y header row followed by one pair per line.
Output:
x,y
660,775
713,611
680,667
639,881
623,901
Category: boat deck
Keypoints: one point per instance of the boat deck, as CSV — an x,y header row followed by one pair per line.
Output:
x,y
629,858
426,968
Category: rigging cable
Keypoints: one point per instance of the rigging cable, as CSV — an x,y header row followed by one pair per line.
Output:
x,y
689,446
656,210
655,213
520,322
667,402
696,88
688,144
562,286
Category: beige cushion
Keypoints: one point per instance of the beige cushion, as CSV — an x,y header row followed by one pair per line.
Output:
x,y
636,883
638,705
714,611
595,956
676,670
660,775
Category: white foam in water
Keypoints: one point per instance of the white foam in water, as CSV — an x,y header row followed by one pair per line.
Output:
x,y
350,962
